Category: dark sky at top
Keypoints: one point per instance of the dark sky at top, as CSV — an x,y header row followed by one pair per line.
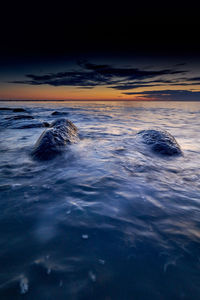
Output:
x,y
42,29
38,39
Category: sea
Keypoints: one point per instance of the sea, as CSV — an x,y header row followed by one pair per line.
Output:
x,y
107,219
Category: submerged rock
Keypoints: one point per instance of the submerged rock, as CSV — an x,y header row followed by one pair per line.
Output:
x,y
31,125
161,142
54,139
59,113
22,124
19,117
5,108
19,110
46,124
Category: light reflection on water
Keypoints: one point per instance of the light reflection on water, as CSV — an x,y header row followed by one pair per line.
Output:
x,y
108,219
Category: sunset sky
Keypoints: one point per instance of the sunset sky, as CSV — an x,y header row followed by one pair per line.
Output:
x,y
101,52
132,78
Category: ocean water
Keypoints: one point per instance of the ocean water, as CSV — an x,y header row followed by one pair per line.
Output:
x,y
108,219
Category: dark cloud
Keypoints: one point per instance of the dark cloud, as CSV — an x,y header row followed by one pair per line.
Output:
x,y
180,64
149,83
176,95
132,86
194,79
90,75
80,79
129,73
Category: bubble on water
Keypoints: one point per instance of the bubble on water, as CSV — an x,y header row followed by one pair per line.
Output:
x,y
45,231
23,285
171,262
48,271
101,261
60,283
85,236
92,276
26,195
15,185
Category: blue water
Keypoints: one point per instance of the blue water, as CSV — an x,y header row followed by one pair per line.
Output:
x,y
107,219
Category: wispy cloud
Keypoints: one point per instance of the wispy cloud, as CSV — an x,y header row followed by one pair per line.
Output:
x,y
179,95
91,75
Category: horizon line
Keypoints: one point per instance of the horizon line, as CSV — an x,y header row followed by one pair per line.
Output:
x,y
94,100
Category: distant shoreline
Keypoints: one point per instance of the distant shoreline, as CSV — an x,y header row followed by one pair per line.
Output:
x,y
93,100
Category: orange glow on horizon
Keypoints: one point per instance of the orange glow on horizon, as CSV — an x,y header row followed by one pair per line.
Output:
x,y
27,92
67,93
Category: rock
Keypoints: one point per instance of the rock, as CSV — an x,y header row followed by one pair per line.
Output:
x,y
19,110
59,113
161,142
31,125
14,109
19,117
22,124
46,124
5,108
54,139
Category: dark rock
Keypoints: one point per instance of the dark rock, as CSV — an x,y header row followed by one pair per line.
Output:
x,y
59,113
161,142
5,108
31,125
46,124
22,123
19,117
19,110
54,139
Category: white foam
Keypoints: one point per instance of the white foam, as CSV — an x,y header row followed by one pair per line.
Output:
x,y
23,285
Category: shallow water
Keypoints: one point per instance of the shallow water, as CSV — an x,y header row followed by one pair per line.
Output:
x,y
107,219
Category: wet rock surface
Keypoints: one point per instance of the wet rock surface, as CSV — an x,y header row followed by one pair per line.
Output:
x,y
31,125
20,117
161,142
13,109
46,124
5,108
22,122
59,113
54,139
19,110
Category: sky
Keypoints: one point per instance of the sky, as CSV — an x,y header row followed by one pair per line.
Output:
x,y
100,51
